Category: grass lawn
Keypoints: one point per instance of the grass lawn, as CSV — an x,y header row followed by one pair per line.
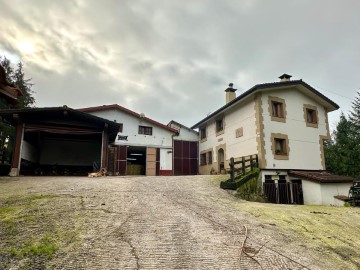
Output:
x,y
334,231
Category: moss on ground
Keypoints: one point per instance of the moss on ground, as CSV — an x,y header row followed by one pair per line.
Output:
x,y
32,230
334,231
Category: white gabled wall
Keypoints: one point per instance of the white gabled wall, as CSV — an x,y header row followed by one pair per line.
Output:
x,y
185,134
160,138
240,116
303,141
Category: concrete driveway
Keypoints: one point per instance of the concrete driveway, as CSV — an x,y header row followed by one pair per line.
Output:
x,y
163,223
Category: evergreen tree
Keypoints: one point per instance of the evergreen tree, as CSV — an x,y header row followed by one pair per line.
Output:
x,y
342,152
17,78
27,100
354,115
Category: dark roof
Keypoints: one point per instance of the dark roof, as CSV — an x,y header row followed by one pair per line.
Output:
x,y
63,116
130,112
267,86
285,76
322,176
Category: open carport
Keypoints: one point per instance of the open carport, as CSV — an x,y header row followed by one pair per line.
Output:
x,y
58,141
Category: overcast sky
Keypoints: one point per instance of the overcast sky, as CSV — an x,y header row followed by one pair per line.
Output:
x,y
174,59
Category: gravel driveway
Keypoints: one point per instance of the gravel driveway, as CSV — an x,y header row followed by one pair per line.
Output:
x,y
182,222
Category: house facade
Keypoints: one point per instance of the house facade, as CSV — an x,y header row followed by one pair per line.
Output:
x,y
142,146
284,123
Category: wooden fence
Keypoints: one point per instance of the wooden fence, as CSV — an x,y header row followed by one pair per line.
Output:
x,y
238,168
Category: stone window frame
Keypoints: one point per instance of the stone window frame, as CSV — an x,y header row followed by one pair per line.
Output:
x,y
271,100
239,132
203,131
313,108
219,132
284,137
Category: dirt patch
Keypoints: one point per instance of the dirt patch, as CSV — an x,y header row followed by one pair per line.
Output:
x,y
162,223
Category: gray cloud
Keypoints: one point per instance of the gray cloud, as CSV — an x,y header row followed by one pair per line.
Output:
x,y
173,59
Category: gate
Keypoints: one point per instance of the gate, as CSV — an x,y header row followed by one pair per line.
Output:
x,y
284,193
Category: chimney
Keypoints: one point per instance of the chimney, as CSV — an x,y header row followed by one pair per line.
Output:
x,y
285,77
230,93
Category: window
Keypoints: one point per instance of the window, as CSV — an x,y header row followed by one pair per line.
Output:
x,y
209,156
219,125
203,133
121,128
280,146
277,109
145,130
206,158
203,159
311,115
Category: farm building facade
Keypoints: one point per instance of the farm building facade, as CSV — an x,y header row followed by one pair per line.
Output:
x,y
65,141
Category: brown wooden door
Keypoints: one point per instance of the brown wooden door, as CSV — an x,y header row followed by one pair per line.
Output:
x,y
151,161
185,158
121,159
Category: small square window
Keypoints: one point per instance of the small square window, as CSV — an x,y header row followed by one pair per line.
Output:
x,y
219,125
277,109
202,133
145,130
311,115
280,147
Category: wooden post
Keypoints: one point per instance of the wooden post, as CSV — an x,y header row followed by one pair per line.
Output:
x,y
251,163
15,165
232,169
104,148
257,161
243,165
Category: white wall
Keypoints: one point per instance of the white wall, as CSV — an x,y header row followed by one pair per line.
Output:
x,y
303,141
311,192
238,117
165,159
329,190
70,153
160,138
185,134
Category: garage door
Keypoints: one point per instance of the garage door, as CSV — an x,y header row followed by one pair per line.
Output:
x,y
185,158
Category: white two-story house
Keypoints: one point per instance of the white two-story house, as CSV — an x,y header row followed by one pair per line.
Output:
x,y
284,123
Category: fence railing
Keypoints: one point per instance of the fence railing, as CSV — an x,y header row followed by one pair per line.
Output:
x,y
238,168
283,193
